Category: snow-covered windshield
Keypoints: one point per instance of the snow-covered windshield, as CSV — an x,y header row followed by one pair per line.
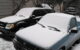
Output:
x,y
25,12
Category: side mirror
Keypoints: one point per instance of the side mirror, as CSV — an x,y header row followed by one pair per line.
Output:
x,y
74,30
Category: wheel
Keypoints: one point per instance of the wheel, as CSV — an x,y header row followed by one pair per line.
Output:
x,y
77,42
70,48
63,48
19,48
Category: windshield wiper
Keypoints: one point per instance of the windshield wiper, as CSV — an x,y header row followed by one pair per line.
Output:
x,y
51,28
41,25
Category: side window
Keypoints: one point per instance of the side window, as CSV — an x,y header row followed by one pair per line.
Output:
x,y
73,23
38,12
41,12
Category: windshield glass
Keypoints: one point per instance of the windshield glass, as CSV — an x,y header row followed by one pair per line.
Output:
x,y
25,12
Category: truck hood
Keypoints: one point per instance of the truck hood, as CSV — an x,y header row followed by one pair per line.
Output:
x,y
41,37
12,19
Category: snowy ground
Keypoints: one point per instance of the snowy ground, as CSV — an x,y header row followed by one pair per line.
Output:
x,y
6,45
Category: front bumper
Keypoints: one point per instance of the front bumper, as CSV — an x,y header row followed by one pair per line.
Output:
x,y
6,32
18,45
23,46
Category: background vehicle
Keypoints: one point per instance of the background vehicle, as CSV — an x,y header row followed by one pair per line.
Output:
x,y
55,31
23,18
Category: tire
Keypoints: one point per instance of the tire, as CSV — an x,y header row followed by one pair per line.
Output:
x,y
19,48
76,42
63,48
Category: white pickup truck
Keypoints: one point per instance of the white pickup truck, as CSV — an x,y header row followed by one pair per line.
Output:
x,y
55,31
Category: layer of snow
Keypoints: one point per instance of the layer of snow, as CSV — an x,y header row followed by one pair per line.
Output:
x,y
12,19
24,13
42,37
6,45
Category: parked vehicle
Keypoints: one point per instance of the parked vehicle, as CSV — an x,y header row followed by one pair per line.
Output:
x,y
55,31
23,18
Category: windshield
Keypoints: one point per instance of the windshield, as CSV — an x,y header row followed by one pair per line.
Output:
x,y
25,12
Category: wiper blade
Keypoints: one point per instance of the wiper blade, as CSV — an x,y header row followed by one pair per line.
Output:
x,y
51,28
41,25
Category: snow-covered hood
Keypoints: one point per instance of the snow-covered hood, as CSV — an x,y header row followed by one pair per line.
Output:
x,y
39,36
12,19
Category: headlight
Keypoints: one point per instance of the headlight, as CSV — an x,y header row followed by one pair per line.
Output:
x,y
9,26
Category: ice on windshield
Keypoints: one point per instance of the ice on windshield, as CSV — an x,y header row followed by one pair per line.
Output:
x,y
25,12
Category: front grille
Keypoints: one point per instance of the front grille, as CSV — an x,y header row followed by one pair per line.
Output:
x,y
28,45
